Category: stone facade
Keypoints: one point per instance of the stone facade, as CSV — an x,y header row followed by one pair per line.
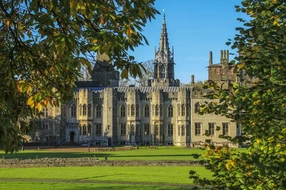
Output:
x,y
163,113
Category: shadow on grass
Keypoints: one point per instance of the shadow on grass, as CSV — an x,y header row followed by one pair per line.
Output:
x,y
130,187
34,155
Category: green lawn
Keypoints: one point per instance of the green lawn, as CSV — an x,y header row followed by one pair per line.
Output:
x,y
98,177
82,186
135,154
103,178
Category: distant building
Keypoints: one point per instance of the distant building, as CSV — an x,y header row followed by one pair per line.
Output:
x,y
163,113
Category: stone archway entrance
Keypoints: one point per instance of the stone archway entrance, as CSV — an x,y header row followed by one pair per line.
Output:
x,y
72,134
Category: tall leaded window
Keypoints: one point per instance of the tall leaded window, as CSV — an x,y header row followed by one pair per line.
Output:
x,y
183,110
73,110
98,129
80,130
170,111
84,110
137,110
98,111
84,130
211,128
89,130
89,110
179,130
146,111
183,130
132,130
80,110
132,110
122,111
162,71
123,129
197,128
161,110
224,128
46,112
170,129
146,129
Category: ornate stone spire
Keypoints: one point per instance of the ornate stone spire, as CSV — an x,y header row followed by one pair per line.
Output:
x,y
164,58
163,54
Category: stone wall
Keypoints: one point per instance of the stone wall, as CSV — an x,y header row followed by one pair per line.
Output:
x,y
92,161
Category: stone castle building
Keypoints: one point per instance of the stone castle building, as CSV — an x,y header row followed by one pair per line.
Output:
x,y
163,113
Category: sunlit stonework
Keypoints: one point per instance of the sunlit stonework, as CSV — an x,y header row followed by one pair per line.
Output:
x,y
163,113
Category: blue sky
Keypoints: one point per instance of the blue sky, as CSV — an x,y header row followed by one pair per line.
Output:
x,y
195,27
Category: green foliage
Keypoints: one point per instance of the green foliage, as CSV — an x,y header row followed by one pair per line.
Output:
x,y
256,103
44,44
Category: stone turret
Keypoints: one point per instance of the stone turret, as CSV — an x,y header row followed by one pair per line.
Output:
x,y
221,73
104,73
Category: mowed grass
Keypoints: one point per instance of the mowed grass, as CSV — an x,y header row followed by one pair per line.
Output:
x,y
103,178
99,177
172,153
83,186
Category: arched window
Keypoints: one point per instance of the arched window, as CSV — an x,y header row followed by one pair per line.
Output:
x,y
89,110
197,107
137,110
183,110
89,130
84,110
73,110
179,110
98,111
132,110
147,111
170,111
80,131
179,131
132,130
161,110
156,110
122,111
80,110
84,130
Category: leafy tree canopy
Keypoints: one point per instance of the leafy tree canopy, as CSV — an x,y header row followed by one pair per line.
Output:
x,y
44,44
257,103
